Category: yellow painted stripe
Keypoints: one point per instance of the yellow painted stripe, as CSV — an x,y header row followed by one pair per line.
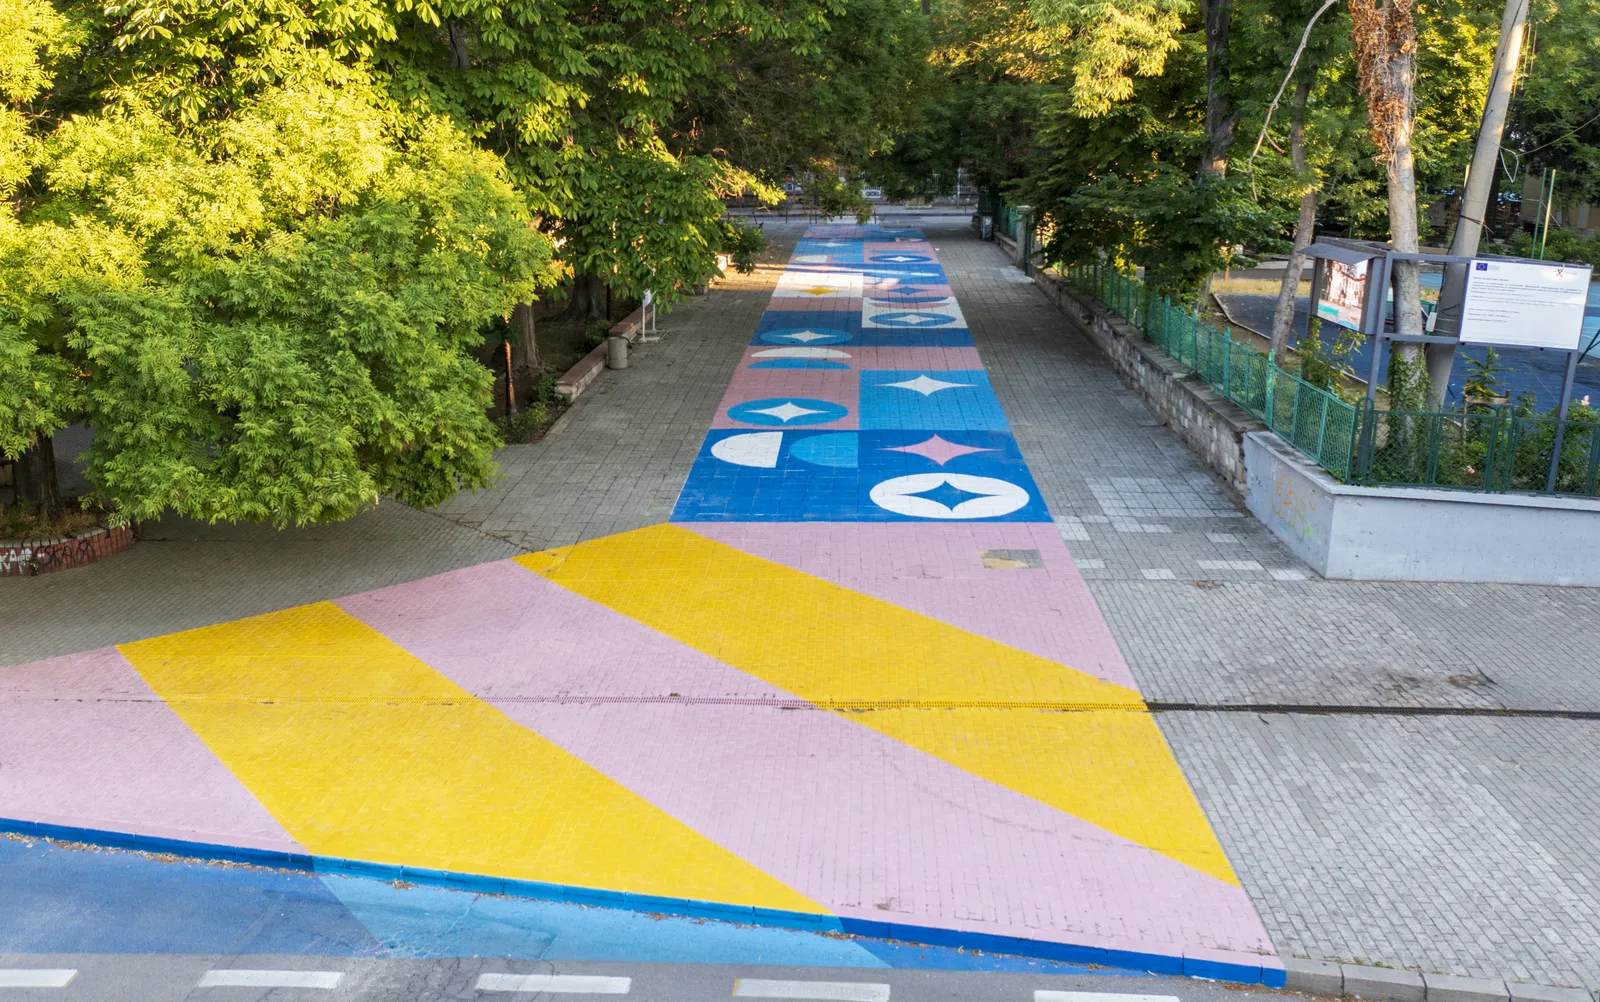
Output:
x,y
362,751
841,649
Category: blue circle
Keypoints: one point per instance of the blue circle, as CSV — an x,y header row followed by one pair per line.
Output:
x,y
787,335
838,449
914,318
791,411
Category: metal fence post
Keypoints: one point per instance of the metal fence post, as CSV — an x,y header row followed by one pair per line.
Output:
x,y
1322,427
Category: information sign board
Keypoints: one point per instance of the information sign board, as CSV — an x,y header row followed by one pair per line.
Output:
x,y
1344,294
1528,304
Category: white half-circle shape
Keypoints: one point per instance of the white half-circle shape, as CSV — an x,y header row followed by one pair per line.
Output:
x,y
798,352
756,448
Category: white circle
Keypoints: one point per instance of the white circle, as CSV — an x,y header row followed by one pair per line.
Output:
x,y
1001,497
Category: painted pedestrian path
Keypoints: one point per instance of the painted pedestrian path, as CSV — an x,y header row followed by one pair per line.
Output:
x,y
856,684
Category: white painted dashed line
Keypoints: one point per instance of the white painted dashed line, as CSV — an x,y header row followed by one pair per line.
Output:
x,y
570,984
1090,565
835,991
270,979
1287,574
1047,996
1230,565
1158,574
1222,537
37,977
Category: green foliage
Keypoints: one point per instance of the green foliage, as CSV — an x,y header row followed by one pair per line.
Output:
x,y
1324,365
270,322
741,243
1559,245
1483,377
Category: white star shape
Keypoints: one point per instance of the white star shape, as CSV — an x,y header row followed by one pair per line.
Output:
x,y
923,318
926,385
786,411
898,259
804,336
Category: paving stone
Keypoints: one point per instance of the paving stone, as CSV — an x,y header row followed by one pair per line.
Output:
x,y
1453,988
1383,983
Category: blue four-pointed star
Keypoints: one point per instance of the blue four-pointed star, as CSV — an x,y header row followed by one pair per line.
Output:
x,y
947,494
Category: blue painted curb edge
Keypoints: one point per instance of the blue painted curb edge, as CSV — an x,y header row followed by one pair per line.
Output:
x,y
1269,974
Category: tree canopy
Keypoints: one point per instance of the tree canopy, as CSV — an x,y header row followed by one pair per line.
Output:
x,y
255,246
1104,115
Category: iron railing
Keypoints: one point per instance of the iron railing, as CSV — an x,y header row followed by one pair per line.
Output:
x,y
1485,448
1315,421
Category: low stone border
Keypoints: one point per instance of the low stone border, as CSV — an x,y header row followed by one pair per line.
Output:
x,y
577,379
57,553
1387,984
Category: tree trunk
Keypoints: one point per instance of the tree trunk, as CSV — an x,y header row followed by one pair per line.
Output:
x,y
1304,226
37,480
524,350
460,58
1386,61
588,298
1220,116
1475,198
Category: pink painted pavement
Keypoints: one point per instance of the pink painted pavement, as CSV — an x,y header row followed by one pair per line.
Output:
x,y
85,742
863,824
938,571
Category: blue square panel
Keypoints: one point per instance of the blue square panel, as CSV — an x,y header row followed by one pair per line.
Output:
x,y
968,476
846,476
954,400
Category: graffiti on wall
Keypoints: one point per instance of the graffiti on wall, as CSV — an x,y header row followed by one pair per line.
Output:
x,y
1294,502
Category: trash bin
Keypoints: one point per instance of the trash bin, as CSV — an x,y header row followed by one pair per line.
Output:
x,y
616,352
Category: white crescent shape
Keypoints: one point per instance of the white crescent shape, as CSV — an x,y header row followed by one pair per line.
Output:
x,y
756,448
802,353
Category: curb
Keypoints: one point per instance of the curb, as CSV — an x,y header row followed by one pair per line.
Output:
x,y
1387,984
1267,972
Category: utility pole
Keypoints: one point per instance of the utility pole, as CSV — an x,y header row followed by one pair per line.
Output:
x,y
1475,195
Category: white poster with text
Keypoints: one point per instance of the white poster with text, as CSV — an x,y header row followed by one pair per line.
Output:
x,y
1525,303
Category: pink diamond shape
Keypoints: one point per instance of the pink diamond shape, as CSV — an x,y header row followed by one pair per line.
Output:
x,y
936,449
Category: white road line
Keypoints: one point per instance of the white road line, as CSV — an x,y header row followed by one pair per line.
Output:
x,y
572,984
1095,996
835,991
36,977
270,979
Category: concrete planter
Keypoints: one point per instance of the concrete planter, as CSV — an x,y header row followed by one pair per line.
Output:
x,y
1414,534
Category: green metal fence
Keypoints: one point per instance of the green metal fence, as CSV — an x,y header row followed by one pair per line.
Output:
x,y
1313,420
1484,449
1005,220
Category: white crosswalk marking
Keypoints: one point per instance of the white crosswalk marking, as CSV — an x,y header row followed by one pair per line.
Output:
x,y
36,977
571,984
270,979
1096,996
834,991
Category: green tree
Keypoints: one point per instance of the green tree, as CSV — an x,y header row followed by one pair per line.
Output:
x,y
268,316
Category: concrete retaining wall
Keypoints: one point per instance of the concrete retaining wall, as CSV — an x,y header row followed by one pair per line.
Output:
x,y
1209,423
1406,534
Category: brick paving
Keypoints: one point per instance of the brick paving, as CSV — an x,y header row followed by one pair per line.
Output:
x,y
1454,844
1460,845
